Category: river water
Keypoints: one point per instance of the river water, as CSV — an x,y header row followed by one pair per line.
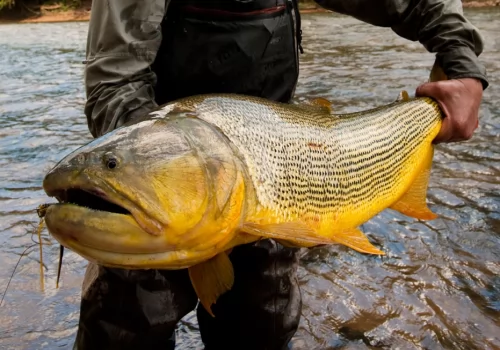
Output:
x,y
438,287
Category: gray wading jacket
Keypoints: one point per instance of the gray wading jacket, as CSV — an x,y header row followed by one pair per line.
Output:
x,y
125,36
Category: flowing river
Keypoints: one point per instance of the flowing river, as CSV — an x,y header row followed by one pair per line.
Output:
x,y
438,287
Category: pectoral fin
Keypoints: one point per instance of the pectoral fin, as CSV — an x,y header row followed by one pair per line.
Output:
x,y
413,202
211,279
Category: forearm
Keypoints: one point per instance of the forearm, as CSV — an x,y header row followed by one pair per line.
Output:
x,y
438,24
112,101
124,37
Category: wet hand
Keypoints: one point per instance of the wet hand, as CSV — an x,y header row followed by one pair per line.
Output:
x,y
459,100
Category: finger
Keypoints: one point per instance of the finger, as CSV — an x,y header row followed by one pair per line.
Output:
x,y
445,133
434,91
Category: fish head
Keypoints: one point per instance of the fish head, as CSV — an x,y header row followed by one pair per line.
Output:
x,y
151,194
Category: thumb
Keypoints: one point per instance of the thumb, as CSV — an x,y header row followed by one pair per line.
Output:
x,y
426,90
433,90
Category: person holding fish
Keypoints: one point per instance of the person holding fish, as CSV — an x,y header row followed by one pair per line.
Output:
x,y
142,54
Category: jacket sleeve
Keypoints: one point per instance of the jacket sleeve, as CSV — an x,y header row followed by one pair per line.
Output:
x,y
123,39
438,24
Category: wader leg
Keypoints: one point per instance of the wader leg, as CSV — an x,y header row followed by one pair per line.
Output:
x,y
132,309
262,310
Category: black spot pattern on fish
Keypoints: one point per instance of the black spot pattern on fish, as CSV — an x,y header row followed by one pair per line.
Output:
x,y
312,162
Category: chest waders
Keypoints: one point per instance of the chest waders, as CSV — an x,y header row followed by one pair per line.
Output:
x,y
218,46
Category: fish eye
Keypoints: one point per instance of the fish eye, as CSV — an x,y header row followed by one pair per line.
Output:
x,y
110,161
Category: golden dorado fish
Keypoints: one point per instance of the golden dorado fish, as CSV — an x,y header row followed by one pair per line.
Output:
x,y
200,175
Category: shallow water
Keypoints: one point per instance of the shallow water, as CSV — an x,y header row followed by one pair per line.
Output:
x,y
438,287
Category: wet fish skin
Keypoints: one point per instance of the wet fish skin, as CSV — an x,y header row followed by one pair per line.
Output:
x,y
203,174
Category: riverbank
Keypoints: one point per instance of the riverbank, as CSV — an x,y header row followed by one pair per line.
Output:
x,y
59,13
56,12
62,16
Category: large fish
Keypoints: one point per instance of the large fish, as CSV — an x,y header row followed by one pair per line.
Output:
x,y
181,187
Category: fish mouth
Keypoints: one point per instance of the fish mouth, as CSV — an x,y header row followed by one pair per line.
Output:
x,y
95,199
93,193
113,239
92,215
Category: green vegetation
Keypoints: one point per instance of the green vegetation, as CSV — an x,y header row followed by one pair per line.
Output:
x,y
13,9
7,4
38,5
64,5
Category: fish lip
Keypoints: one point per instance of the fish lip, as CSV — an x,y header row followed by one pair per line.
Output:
x,y
168,257
99,188
64,239
66,228
90,253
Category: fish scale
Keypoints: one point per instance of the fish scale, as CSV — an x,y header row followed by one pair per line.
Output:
x,y
302,161
219,171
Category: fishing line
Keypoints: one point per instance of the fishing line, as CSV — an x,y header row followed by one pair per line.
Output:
x,y
39,233
61,253
13,272
41,210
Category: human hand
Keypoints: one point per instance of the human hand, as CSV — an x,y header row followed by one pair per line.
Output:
x,y
459,100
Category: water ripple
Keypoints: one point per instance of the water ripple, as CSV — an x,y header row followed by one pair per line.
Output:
x,y
438,287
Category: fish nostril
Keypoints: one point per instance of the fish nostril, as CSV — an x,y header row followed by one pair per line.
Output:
x,y
80,158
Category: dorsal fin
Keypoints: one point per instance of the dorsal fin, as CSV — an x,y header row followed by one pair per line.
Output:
x,y
322,102
317,104
403,96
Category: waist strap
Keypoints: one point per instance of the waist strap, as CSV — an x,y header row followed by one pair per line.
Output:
x,y
232,5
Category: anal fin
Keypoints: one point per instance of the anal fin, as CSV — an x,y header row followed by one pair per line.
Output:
x,y
357,240
288,244
292,234
413,203
211,279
